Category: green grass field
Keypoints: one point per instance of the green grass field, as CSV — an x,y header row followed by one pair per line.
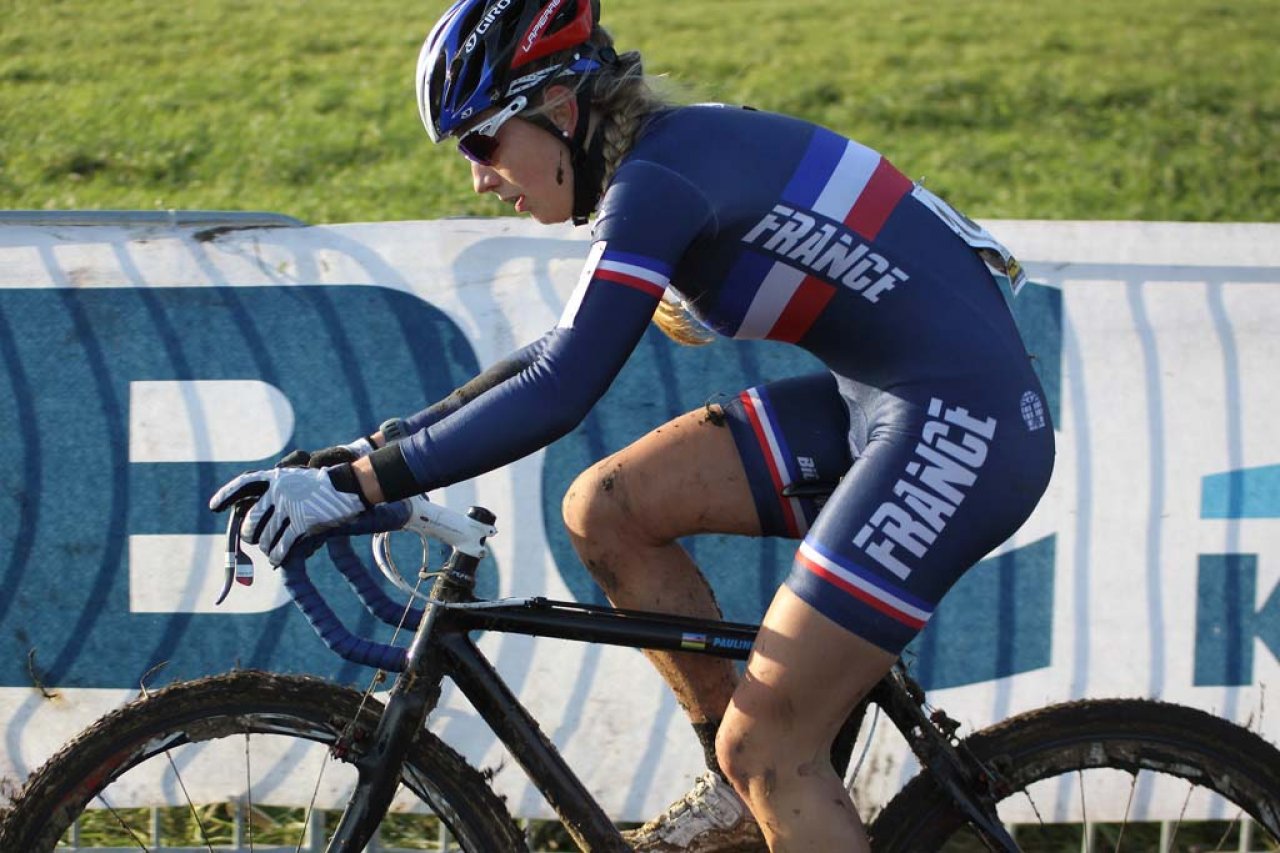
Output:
x,y
1093,109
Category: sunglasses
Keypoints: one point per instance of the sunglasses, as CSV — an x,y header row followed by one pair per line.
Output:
x,y
480,143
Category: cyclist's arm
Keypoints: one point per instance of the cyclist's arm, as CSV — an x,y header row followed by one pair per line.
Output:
x,y
539,403
575,363
494,375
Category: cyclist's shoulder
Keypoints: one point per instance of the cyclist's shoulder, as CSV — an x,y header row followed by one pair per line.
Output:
x,y
699,136
712,156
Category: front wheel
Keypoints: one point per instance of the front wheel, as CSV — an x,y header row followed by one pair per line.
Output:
x,y
256,737
1101,764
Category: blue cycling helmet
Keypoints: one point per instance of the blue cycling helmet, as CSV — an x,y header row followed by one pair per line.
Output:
x,y
484,53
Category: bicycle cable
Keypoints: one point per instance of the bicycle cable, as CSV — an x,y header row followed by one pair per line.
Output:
x,y
866,748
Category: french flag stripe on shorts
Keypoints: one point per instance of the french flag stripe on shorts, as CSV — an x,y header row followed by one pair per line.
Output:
x,y
776,456
864,586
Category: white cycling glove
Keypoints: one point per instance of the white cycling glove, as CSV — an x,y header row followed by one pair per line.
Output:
x,y
291,503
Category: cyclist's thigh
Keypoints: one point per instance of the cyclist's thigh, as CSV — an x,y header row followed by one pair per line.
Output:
x,y
681,478
942,481
721,468
793,432
805,674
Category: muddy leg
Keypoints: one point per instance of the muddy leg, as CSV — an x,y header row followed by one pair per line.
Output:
x,y
624,515
805,675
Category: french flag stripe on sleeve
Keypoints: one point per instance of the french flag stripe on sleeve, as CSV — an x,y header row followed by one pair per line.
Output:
x,y
647,275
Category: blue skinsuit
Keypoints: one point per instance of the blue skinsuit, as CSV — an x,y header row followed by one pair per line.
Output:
x,y
931,418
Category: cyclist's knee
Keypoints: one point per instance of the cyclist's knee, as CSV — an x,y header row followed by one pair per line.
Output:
x,y
595,506
761,754
747,757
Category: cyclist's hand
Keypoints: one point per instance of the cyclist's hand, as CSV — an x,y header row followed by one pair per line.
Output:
x,y
291,503
327,456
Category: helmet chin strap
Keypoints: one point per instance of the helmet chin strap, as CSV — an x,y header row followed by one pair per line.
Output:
x,y
587,160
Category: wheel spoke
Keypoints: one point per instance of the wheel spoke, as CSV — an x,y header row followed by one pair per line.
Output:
x,y
315,792
248,790
1177,824
1084,814
1226,833
195,813
120,820
1124,821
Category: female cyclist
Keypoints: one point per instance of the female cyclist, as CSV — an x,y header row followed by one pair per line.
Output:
x,y
929,421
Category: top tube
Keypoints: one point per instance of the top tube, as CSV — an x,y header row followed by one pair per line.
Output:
x,y
533,616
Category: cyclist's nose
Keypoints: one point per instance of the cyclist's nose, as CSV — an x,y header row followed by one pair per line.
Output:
x,y
483,178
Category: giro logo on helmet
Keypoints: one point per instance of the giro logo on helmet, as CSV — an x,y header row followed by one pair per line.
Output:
x,y
485,22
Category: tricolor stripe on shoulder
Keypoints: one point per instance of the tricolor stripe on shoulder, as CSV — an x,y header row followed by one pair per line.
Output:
x,y
842,180
848,182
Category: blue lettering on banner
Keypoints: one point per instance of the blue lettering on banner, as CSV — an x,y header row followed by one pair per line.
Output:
x,y
342,357
1247,493
995,622
1227,623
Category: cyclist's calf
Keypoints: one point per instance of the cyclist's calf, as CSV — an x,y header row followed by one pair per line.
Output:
x,y
780,765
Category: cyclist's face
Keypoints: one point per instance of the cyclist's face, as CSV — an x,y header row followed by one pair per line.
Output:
x,y
530,170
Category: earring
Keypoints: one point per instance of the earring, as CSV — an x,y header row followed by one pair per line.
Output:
x,y
560,168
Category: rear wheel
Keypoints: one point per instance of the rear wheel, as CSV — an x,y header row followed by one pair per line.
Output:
x,y
254,737
1101,763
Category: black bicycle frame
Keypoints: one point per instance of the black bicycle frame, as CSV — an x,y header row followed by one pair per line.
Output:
x,y
442,646
523,738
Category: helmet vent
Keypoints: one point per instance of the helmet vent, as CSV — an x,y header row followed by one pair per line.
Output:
x,y
558,25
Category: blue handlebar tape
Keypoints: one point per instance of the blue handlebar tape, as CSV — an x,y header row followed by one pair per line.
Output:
x,y
361,579
325,623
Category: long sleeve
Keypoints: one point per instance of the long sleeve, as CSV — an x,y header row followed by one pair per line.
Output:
x,y
541,393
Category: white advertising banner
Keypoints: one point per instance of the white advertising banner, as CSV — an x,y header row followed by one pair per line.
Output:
x,y
144,364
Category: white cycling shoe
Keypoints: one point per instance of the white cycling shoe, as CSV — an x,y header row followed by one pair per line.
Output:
x,y
711,818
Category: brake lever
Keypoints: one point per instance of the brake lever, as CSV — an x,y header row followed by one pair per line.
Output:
x,y
237,565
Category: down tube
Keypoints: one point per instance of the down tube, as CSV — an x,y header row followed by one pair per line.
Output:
x,y
520,733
